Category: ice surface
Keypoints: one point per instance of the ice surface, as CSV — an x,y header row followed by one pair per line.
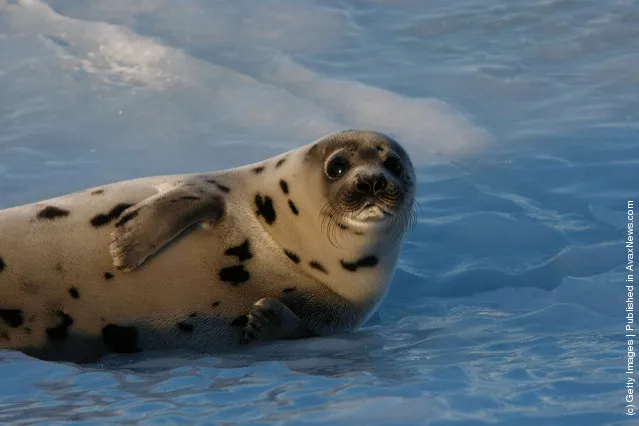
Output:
x,y
522,119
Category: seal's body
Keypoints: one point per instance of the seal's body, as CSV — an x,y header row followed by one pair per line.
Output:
x,y
301,244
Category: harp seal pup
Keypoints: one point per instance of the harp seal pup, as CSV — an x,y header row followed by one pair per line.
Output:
x,y
301,244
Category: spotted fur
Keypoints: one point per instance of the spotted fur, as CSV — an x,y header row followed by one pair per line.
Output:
x,y
12,317
127,217
364,262
234,274
265,208
223,188
219,186
60,331
199,259
317,266
242,251
295,258
73,292
293,207
284,186
105,218
52,212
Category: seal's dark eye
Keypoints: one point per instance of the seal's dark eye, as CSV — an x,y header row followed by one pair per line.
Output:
x,y
337,167
394,165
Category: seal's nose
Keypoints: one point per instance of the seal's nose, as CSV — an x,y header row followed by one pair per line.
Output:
x,y
371,184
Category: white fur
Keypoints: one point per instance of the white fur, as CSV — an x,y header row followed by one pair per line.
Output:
x,y
45,258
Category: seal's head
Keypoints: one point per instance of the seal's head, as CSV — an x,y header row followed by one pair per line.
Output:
x,y
367,179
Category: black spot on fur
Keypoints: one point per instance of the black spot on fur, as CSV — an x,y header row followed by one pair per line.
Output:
x,y
234,274
265,208
380,148
187,328
73,291
127,217
97,192
342,226
189,197
215,304
316,265
221,187
108,275
240,321
258,170
289,290
122,340
59,268
193,315
293,208
364,262
280,162
104,218
242,251
51,212
295,258
2,265
12,317
60,331
284,186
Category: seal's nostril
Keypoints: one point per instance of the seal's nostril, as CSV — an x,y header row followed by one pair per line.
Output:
x,y
380,184
363,185
371,184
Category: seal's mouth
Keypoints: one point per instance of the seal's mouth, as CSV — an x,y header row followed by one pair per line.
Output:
x,y
372,212
370,202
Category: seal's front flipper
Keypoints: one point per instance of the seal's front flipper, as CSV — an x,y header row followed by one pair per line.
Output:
x,y
146,227
298,314
270,319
